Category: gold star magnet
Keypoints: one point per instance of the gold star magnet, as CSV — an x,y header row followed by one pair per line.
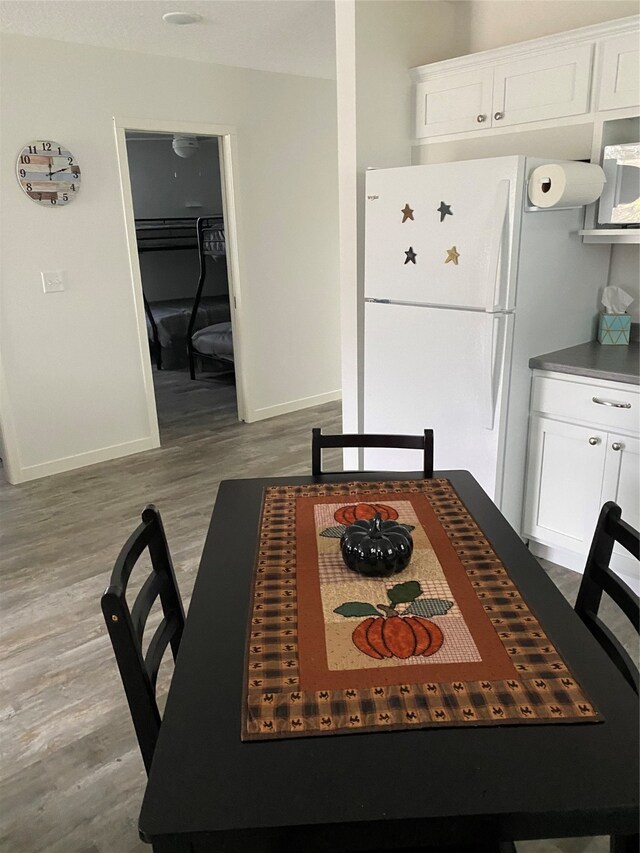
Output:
x,y
452,255
407,213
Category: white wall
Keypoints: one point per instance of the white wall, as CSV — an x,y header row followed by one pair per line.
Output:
x,y
377,42
494,23
164,184
73,367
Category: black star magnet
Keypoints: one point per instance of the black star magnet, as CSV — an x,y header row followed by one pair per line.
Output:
x,y
407,213
411,256
444,210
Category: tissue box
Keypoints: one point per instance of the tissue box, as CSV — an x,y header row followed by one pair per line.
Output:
x,y
614,328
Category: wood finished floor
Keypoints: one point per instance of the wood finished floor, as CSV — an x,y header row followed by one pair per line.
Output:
x,y
71,777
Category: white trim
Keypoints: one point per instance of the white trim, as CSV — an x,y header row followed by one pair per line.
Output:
x,y
136,282
9,446
570,38
586,119
80,460
228,169
292,406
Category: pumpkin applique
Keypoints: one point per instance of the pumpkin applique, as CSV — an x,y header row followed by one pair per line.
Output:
x,y
394,634
364,512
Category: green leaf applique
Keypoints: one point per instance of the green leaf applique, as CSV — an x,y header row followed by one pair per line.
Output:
x,y
429,607
334,532
403,592
356,608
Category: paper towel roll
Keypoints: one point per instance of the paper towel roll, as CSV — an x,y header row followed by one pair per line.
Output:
x,y
562,185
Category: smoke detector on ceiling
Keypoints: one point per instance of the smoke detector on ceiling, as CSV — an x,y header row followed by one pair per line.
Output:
x,y
181,18
184,146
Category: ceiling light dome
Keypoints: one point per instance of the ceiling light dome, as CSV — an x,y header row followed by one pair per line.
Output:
x,y
181,18
185,146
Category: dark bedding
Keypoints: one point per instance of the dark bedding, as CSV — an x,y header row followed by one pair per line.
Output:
x,y
172,316
215,341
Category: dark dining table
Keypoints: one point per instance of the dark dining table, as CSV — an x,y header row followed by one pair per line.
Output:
x,y
392,790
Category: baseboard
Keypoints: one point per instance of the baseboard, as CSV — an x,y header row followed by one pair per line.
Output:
x,y
80,460
623,565
292,406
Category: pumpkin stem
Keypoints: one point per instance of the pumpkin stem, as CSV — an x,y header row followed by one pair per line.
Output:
x,y
376,526
388,611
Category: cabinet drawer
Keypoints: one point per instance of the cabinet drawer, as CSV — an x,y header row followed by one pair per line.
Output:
x,y
617,408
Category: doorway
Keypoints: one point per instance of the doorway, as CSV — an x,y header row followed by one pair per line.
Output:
x,y
177,185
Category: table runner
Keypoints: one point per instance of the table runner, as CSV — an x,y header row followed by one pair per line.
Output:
x,y
464,648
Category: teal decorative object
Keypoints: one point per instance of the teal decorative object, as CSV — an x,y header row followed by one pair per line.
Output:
x,y
614,329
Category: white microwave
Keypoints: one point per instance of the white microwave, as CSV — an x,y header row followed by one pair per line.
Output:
x,y
620,199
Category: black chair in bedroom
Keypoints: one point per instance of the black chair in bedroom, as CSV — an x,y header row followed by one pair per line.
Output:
x,y
139,671
320,442
213,343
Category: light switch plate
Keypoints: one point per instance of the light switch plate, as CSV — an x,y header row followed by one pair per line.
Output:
x,y
53,280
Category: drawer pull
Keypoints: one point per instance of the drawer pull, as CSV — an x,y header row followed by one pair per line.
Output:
x,y
616,446
593,440
611,403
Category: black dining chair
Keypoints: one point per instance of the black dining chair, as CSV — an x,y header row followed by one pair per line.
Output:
x,y
139,670
320,442
598,578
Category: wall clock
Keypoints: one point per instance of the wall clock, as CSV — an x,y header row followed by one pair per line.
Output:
x,y
48,173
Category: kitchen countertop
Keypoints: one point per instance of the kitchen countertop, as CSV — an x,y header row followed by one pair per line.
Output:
x,y
610,362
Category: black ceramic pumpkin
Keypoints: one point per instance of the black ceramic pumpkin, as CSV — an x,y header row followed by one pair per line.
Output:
x,y
376,548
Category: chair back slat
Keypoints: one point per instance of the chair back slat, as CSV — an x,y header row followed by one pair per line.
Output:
x,y
598,578
612,646
145,599
126,628
129,555
166,630
320,442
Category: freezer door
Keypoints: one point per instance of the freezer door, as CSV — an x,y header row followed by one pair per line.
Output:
x,y
439,368
444,234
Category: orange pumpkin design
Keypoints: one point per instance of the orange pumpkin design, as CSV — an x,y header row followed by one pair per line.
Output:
x,y
364,512
397,636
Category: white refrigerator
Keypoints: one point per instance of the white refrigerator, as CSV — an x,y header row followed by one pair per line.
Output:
x,y
464,283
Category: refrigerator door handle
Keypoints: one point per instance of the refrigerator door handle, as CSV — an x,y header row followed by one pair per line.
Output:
x,y
493,345
493,294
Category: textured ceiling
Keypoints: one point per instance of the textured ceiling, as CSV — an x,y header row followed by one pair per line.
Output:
x,y
289,36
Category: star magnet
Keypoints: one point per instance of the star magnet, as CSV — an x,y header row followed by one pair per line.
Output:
x,y
452,255
411,256
444,210
407,213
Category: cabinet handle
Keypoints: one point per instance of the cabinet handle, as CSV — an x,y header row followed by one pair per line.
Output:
x,y
480,118
594,440
611,403
616,445
498,116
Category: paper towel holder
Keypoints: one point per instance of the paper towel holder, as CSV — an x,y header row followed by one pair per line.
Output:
x,y
532,208
546,187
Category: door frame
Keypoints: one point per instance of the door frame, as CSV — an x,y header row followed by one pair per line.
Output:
x,y
228,156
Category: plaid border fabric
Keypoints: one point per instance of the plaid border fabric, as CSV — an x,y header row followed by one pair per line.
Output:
x,y
276,703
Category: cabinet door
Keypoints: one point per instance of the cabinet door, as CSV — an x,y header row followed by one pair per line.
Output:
x,y
548,85
564,483
620,73
454,103
621,484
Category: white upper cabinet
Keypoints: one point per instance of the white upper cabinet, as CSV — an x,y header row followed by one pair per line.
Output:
x,y
454,103
544,86
549,79
620,73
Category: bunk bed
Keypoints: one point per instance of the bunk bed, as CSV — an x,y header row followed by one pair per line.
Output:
x,y
168,320
213,342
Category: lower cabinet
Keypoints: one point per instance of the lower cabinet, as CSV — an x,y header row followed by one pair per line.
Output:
x,y
574,467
